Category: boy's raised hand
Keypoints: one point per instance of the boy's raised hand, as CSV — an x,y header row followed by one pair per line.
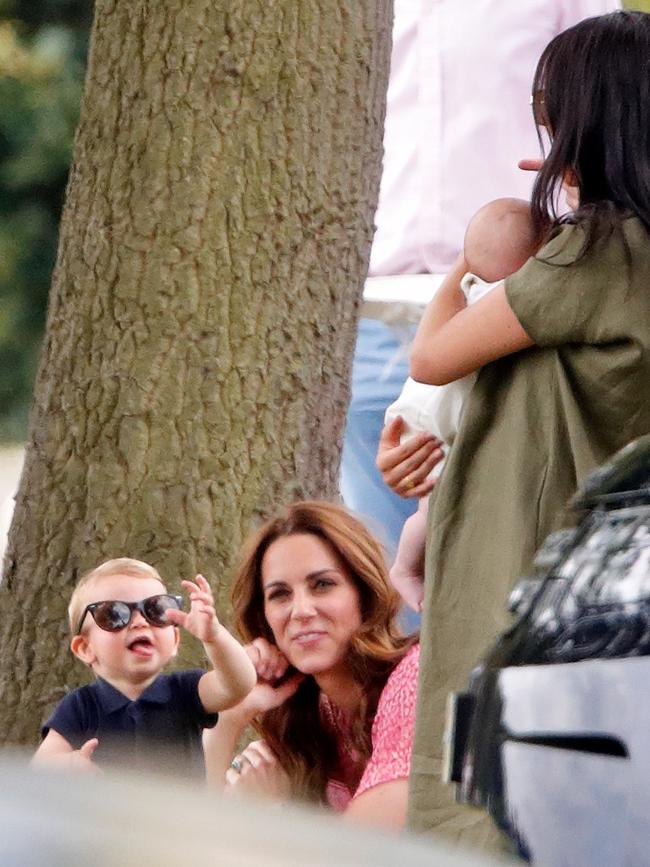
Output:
x,y
201,620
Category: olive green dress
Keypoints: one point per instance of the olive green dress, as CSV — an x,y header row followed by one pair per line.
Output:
x,y
535,423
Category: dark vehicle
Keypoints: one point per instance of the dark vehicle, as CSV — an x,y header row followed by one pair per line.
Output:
x,y
553,734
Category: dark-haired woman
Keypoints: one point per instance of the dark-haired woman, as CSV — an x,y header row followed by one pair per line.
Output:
x,y
563,354
335,700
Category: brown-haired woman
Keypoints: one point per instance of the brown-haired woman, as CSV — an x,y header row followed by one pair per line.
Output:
x,y
335,699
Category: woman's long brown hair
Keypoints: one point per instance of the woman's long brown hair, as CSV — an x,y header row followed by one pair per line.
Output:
x,y
295,731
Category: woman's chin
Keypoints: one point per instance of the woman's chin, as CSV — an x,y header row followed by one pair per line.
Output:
x,y
315,663
306,665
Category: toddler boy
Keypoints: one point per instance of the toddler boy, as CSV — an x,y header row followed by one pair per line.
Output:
x,y
124,626
500,237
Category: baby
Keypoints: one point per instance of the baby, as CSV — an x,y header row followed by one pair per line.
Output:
x,y
499,239
124,625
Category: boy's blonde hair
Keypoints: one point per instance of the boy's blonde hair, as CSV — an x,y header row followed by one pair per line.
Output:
x,y
120,566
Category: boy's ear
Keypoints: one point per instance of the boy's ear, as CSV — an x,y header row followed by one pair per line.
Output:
x,y
177,638
82,649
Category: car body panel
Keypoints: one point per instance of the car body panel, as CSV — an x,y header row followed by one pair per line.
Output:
x,y
554,737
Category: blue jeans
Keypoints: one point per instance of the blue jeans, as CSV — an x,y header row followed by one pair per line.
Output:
x,y
378,374
379,371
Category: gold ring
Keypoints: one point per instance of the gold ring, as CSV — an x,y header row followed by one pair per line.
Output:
x,y
409,482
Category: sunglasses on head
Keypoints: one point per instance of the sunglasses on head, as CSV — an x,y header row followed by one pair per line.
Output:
x,y
113,615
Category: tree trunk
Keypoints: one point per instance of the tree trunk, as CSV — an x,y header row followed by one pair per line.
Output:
x,y
203,311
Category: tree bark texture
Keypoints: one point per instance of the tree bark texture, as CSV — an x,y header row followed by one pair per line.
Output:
x,y
203,311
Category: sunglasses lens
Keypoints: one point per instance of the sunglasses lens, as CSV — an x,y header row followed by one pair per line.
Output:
x,y
156,607
112,616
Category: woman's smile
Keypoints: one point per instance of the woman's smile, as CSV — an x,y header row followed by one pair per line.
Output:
x,y
309,638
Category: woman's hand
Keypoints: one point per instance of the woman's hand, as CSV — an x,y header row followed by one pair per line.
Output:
x,y
270,663
266,696
220,742
405,467
257,771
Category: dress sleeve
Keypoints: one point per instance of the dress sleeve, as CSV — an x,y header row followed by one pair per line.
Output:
x,y
560,296
394,726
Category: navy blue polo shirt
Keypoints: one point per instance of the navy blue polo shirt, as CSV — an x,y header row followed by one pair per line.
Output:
x,y
159,732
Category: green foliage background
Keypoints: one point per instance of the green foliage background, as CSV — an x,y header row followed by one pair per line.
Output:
x,y
42,58
42,55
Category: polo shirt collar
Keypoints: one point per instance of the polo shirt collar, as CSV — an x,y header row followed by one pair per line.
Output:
x,y
111,699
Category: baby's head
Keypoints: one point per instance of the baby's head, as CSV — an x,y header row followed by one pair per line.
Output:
x,y
118,623
500,237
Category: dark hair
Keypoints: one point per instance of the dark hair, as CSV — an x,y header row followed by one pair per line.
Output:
x,y
295,731
592,92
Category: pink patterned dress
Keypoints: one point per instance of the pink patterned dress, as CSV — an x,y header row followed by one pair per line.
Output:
x,y
392,736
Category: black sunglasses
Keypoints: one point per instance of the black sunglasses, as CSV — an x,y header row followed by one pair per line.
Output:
x,y
113,615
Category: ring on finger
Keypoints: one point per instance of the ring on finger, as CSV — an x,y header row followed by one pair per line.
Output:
x,y
237,764
409,482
